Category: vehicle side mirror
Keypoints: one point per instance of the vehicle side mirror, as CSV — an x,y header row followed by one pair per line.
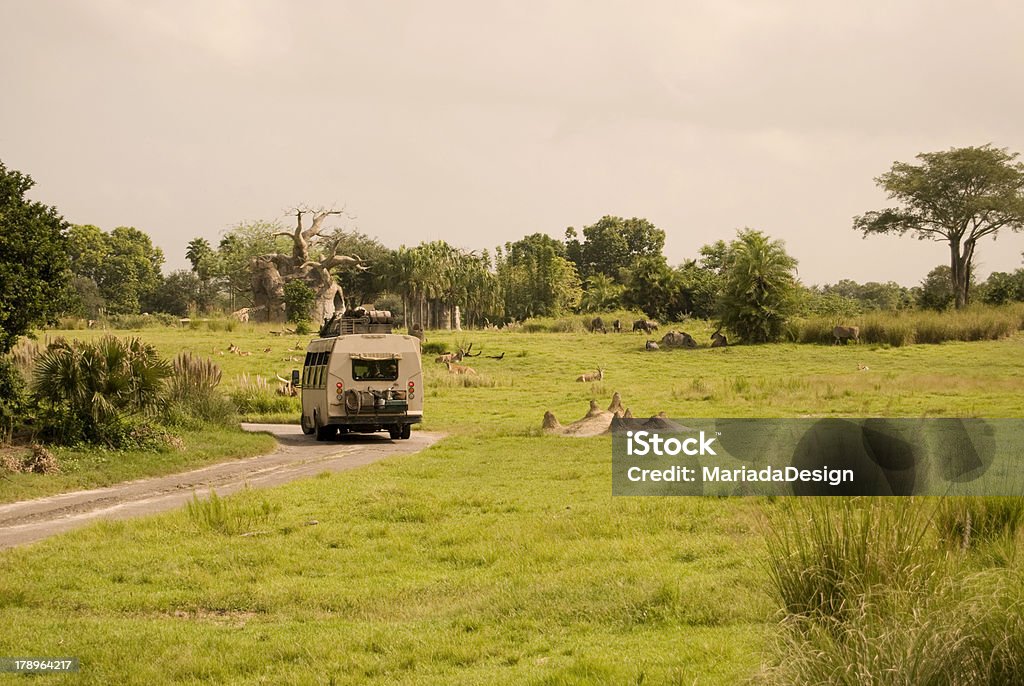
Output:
x,y
295,378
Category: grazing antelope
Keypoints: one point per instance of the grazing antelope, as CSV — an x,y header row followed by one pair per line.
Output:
x,y
446,357
459,369
592,376
266,350
233,349
863,367
842,334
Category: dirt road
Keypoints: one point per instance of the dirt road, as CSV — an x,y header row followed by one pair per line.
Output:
x,y
296,457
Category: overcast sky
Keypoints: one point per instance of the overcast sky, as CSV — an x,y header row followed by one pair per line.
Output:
x,y
480,122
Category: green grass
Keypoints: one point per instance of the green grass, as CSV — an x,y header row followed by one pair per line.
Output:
x,y
94,468
498,555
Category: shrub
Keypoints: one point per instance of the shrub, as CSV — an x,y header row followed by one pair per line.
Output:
x,y
12,399
298,300
92,391
433,348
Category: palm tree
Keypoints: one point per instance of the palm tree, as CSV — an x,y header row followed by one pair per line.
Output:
x,y
99,384
759,294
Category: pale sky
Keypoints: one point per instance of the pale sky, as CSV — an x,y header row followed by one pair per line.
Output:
x,y
481,122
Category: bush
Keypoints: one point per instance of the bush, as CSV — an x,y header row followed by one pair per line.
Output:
x,y
433,348
94,391
12,399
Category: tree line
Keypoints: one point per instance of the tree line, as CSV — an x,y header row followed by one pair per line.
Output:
x,y
50,268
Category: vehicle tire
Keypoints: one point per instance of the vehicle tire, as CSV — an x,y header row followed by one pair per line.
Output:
x,y
395,432
324,433
406,431
306,428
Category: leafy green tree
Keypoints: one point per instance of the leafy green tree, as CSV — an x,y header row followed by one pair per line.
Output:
x,y
240,244
1001,288
124,264
759,293
83,299
180,292
958,196
360,286
33,259
937,290
872,295
536,280
612,245
131,274
298,300
702,287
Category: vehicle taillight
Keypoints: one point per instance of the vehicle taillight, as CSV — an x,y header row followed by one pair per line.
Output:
x,y
340,386
412,389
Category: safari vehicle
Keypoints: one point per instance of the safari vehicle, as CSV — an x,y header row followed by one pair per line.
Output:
x,y
360,377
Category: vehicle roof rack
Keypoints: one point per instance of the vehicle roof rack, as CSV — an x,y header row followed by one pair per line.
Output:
x,y
359,320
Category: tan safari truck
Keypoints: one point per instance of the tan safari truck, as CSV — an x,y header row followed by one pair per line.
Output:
x,y
358,377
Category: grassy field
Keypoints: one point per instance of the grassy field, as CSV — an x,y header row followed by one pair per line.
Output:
x,y
497,556
93,468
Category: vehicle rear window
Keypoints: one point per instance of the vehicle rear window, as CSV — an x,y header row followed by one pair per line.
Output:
x,y
374,370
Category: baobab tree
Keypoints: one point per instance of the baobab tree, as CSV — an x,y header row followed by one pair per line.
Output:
x,y
314,255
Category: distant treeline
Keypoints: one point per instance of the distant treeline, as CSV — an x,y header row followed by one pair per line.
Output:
x,y
613,264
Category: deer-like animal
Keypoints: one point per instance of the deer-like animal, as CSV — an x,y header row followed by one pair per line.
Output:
x,y
592,376
842,334
459,369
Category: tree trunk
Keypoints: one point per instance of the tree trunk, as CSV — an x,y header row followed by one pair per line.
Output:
x,y
961,265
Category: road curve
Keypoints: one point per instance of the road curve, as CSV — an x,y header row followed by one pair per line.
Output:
x,y
296,457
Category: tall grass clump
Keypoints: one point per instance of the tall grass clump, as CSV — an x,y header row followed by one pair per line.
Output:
x,y
825,554
969,521
254,395
871,596
811,330
906,327
193,396
240,514
887,328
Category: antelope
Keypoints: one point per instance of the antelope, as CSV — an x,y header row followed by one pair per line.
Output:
x,y
459,369
447,357
286,387
592,376
842,334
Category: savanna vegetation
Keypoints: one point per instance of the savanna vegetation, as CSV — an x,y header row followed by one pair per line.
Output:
x,y
499,555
